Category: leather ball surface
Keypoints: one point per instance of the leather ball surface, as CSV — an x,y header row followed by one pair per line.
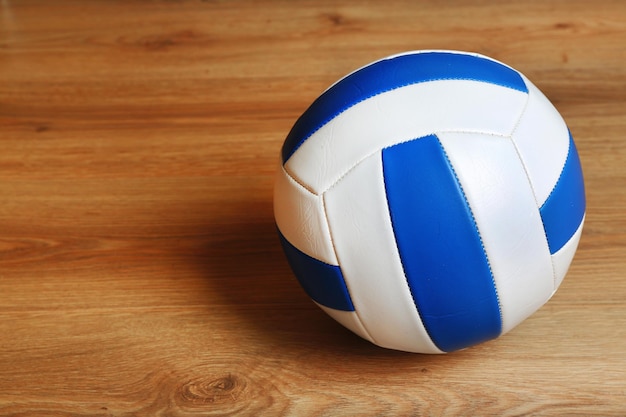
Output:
x,y
430,201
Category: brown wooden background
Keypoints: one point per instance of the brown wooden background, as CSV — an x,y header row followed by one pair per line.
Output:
x,y
140,272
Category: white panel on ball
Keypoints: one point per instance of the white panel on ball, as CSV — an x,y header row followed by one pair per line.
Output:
x,y
398,116
542,139
357,211
563,258
497,189
300,217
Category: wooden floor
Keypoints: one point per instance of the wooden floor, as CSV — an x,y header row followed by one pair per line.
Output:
x,y
140,271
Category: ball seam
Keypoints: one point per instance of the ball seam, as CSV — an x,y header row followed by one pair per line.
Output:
x,y
369,155
332,245
480,238
343,110
532,187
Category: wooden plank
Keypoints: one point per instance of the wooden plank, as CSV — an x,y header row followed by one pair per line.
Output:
x,y
140,270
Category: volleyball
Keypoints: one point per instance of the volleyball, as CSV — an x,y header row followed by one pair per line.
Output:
x,y
430,201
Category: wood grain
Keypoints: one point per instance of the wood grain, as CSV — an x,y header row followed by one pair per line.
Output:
x,y
140,274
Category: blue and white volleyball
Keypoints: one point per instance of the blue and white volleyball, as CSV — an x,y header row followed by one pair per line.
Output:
x,y
430,201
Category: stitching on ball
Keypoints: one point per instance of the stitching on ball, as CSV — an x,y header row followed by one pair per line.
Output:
x,y
350,169
296,182
521,115
482,245
355,164
406,280
470,131
333,116
532,187
332,245
569,151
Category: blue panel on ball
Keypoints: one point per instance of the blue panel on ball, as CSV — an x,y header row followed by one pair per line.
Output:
x,y
324,283
393,73
440,247
565,207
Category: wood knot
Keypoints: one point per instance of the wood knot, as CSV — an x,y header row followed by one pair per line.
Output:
x,y
333,21
224,389
335,18
563,25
